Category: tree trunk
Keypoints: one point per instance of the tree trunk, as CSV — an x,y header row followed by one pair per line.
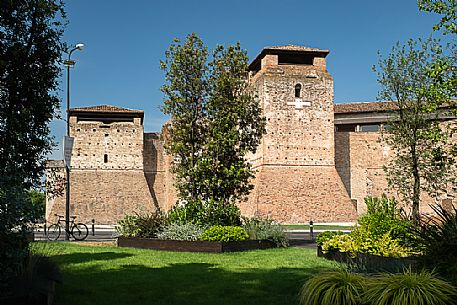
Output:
x,y
416,188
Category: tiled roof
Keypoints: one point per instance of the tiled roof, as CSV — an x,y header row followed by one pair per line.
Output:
x,y
365,107
291,47
106,109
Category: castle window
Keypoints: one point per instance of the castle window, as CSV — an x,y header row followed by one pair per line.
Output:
x,y
105,158
369,128
298,90
106,134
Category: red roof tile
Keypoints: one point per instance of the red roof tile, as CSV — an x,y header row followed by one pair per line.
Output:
x,y
365,107
105,109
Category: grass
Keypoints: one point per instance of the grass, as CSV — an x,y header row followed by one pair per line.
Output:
x,y
110,275
319,227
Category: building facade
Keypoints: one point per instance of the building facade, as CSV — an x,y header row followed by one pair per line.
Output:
x,y
317,161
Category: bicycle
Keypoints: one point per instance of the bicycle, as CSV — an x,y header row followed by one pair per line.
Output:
x,y
79,230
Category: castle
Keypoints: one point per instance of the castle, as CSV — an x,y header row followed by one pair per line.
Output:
x,y
317,161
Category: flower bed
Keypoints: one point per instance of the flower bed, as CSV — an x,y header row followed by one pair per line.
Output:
x,y
193,246
369,261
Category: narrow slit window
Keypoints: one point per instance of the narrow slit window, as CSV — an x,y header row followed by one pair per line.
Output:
x,y
105,158
298,90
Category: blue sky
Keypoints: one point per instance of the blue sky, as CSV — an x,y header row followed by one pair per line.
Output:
x,y
125,41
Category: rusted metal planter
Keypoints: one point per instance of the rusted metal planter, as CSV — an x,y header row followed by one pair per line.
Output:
x,y
193,246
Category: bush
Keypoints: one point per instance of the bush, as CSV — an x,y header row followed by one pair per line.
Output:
x,y
265,229
437,239
141,225
225,233
127,226
359,241
209,213
188,231
324,236
382,217
343,287
333,288
409,288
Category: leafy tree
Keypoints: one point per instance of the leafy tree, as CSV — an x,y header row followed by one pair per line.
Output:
x,y
186,74
215,123
423,159
30,48
444,69
447,8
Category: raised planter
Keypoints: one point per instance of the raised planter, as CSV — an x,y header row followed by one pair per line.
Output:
x,y
193,246
369,261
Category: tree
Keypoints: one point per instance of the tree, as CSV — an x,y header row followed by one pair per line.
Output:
x,y
423,160
444,69
446,8
230,127
186,74
30,49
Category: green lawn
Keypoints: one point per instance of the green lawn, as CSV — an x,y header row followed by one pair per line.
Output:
x,y
110,275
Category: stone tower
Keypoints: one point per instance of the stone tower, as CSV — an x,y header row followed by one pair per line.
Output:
x,y
296,178
108,175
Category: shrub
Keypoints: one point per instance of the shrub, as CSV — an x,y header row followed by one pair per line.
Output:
x,y
141,225
224,233
437,239
409,288
187,231
359,241
333,288
209,213
324,236
383,216
127,226
265,229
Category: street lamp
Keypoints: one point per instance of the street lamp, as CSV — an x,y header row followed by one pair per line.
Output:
x,y
69,63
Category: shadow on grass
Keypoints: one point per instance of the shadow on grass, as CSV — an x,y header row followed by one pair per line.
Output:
x,y
87,257
184,283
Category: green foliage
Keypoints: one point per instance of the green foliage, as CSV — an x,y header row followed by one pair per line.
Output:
x,y
127,226
206,214
224,233
141,225
215,123
333,288
381,231
437,239
423,160
343,287
265,229
326,235
447,8
409,288
185,231
30,50
38,201
383,217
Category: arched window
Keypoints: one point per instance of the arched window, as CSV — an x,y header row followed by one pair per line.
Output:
x,y
298,90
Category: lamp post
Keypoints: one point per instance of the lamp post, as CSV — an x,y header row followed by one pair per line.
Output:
x,y
69,63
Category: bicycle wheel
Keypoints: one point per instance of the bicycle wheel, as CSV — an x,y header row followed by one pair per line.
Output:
x,y
79,231
53,232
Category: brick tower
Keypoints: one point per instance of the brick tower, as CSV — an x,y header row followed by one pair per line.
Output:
x,y
296,178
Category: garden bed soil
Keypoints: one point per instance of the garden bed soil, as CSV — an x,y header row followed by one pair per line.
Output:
x,y
369,261
193,246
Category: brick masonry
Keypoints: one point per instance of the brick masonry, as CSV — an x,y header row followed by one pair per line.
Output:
x,y
305,170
